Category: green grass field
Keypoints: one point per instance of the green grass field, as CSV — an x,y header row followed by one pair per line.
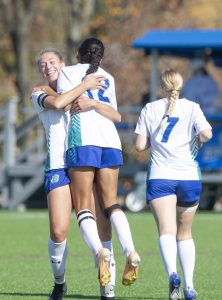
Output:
x,y
26,274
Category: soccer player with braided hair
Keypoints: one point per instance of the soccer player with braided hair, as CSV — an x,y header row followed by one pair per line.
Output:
x,y
173,128
94,155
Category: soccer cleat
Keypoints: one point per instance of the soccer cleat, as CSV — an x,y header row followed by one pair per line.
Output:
x,y
190,294
104,274
174,287
58,292
130,273
107,292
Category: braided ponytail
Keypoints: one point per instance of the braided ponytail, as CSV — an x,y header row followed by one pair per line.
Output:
x,y
91,52
171,82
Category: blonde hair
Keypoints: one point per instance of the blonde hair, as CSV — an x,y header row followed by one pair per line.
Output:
x,y
171,82
49,50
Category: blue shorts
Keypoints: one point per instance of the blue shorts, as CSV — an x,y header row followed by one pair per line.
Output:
x,y
187,191
93,156
55,178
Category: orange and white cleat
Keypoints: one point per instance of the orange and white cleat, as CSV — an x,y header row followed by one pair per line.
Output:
x,y
130,273
104,274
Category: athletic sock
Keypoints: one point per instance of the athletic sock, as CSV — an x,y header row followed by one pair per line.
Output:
x,y
186,254
122,229
112,265
89,230
168,251
57,255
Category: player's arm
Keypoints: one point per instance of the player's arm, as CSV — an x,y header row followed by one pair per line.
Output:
x,y
142,142
84,103
205,135
59,101
201,126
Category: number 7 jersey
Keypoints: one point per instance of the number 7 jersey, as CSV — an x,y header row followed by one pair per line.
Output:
x,y
90,127
173,146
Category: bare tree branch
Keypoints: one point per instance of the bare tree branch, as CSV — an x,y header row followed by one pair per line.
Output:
x,y
80,14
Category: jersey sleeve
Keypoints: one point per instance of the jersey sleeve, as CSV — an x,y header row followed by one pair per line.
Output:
x,y
63,83
200,121
38,99
142,125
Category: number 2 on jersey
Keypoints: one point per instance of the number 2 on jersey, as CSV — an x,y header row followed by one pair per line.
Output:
x,y
100,93
172,122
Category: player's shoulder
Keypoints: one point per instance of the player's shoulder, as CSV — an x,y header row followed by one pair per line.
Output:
x,y
68,69
160,103
188,103
105,73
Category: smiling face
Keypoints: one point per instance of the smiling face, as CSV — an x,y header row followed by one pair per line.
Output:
x,y
49,66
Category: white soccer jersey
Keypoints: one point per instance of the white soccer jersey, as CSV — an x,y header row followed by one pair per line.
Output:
x,y
90,127
55,123
173,147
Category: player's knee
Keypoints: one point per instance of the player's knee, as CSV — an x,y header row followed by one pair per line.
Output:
x,y
109,210
58,235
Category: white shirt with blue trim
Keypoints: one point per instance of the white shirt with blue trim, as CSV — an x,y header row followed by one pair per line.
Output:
x,y
55,123
90,127
173,146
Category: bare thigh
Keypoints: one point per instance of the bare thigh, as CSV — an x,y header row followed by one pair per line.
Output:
x,y
185,217
81,187
59,206
164,211
106,185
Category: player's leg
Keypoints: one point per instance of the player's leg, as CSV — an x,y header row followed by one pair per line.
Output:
x,y
105,234
81,188
189,194
59,208
186,248
162,201
106,182
164,211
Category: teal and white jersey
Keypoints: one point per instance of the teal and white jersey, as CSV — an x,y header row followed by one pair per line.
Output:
x,y
90,127
173,146
55,123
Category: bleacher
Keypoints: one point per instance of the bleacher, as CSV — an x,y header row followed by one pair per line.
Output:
x,y
22,156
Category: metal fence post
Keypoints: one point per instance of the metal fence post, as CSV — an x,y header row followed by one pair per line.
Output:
x,y
9,145
9,151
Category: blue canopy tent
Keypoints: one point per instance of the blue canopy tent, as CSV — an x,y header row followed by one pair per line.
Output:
x,y
187,43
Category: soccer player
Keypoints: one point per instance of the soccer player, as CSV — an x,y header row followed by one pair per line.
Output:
x,y
48,105
94,154
173,128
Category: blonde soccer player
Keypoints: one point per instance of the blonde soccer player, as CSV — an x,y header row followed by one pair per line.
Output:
x,y
173,128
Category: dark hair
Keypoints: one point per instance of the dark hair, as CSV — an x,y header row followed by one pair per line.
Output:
x,y
49,50
91,52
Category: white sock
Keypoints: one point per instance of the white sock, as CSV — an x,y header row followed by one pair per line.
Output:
x,y
89,230
112,265
186,253
57,255
168,251
122,229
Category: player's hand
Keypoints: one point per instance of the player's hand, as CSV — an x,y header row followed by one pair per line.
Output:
x,y
82,103
93,82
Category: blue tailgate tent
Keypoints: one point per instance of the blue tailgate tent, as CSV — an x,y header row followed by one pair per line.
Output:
x,y
187,43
